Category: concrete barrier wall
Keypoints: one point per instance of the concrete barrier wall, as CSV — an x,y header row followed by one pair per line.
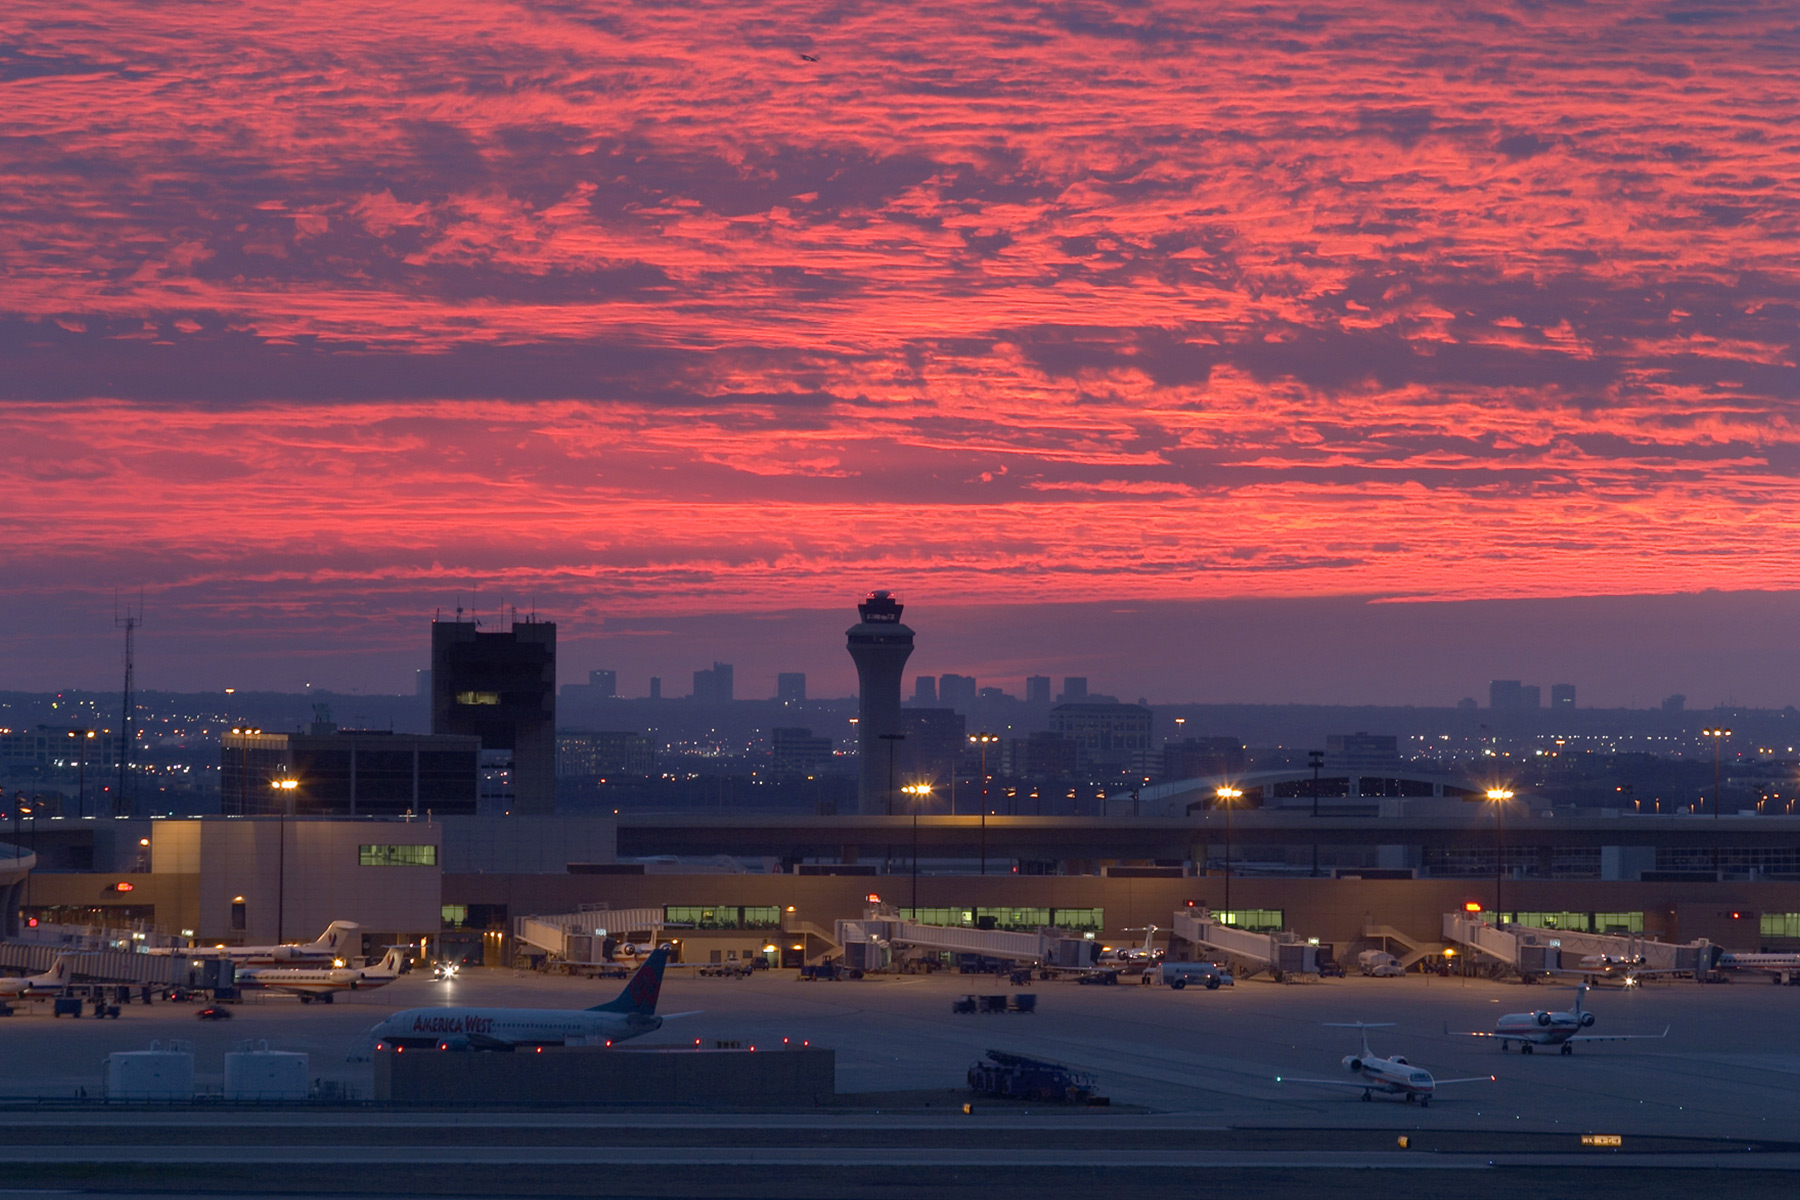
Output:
x,y
590,1075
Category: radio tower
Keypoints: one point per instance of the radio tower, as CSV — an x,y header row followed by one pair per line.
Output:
x,y
127,619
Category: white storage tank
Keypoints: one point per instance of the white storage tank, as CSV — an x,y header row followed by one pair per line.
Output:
x,y
255,1072
163,1072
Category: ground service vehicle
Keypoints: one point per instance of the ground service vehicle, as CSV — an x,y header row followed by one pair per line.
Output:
x,y
1204,974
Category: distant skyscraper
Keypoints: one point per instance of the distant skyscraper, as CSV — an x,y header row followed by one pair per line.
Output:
x,y
1074,689
501,688
880,646
925,689
605,684
1506,695
1675,703
956,691
713,686
1530,696
656,687
1037,689
790,687
1562,695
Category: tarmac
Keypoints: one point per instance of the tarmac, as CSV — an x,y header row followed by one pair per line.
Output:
x,y
1192,1076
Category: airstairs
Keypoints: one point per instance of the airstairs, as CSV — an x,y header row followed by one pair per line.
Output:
x,y
1411,948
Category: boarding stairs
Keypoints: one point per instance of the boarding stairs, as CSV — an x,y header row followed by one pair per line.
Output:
x,y
1412,949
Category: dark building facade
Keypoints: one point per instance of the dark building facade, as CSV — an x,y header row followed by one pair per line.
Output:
x,y
790,687
714,685
347,773
501,687
797,753
579,753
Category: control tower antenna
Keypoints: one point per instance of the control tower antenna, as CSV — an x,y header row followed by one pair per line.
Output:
x,y
128,619
880,646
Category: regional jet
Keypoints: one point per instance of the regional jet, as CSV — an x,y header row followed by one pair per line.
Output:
x,y
1561,1029
322,983
1394,1076
329,947
50,983
631,1014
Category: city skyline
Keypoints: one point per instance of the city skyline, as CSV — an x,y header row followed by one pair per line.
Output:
x,y
1081,320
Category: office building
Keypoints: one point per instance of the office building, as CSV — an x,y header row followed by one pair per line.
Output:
x,y
957,691
1361,751
1530,696
879,645
1105,736
605,684
1562,695
1074,689
713,685
925,689
500,687
603,754
936,740
1037,689
656,687
347,773
790,687
796,753
1506,695
1204,757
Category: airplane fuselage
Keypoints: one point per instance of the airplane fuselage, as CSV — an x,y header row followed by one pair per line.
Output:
x,y
1393,1075
504,1028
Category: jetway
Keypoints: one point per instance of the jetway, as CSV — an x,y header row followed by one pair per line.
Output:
x,y
867,942
1533,951
1281,954
580,937
111,966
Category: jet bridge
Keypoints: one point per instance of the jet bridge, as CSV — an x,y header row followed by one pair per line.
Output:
x,y
579,938
1282,955
1532,951
867,942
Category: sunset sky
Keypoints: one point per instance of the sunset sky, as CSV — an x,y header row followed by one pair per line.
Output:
x,y
317,317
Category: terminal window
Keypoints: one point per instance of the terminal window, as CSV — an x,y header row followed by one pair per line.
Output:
x,y
482,698
398,856
1254,918
724,916
1781,925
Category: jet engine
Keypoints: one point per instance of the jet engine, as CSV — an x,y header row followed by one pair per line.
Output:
x,y
455,1042
1587,1020
1353,1065
1541,1017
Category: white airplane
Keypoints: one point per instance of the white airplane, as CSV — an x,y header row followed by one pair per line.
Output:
x,y
329,947
630,1015
50,983
1146,955
1394,1076
1629,969
1781,968
1561,1029
323,983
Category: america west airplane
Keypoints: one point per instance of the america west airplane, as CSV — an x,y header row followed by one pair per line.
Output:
x,y
322,983
1393,1076
1146,955
50,983
1561,1029
330,946
631,1014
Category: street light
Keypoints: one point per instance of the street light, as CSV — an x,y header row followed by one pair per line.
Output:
x,y
285,789
1718,736
920,792
1499,796
981,741
1225,796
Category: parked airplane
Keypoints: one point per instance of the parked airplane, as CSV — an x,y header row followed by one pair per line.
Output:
x,y
1394,1076
330,946
1628,969
1781,968
322,983
1562,1029
1146,955
50,983
630,1015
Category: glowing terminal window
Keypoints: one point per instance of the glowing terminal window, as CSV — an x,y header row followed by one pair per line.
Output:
x,y
398,856
478,697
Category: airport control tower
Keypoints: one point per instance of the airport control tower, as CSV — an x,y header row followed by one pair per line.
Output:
x,y
880,645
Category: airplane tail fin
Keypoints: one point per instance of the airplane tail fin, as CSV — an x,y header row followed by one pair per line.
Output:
x,y
333,937
642,989
1580,995
392,961
62,970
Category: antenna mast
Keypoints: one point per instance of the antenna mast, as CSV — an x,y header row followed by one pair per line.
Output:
x,y
127,619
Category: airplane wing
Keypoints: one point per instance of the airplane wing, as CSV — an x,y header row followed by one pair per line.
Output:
x,y
692,1012
1469,1079
1620,1037
1363,1085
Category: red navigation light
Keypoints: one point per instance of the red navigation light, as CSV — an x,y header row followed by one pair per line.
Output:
x,y
124,886
874,899
1736,916
1471,906
31,923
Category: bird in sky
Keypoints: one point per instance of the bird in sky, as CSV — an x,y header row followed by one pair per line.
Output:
x,y
810,57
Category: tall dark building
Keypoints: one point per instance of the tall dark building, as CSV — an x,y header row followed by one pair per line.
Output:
x,y
1037,689
347,773
936,739
957,691
714,685
925,689
501,688
605,684
1074,689
880,646
1506,695
790,687
1562,695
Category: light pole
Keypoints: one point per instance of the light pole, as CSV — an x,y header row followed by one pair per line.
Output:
x,y
284,789
1315,759
1499,796
981,741
920,792
1225,796
892,740
1718,736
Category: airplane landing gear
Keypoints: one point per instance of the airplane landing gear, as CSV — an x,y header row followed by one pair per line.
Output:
x,y
1568,1049
1367,1097
1424,1101
1525,1048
